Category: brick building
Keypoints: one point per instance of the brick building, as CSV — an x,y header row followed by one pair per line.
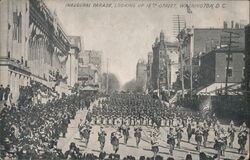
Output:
x,y
213,70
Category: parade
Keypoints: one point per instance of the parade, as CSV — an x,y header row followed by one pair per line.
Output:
x,y
36,138
130,80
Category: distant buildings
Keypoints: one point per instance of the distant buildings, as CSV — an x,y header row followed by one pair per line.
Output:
x,y
141,73
200,41
160,71
213,71
90,64
72,62
162,67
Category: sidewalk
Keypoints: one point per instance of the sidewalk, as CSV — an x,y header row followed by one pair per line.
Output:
x,y
72,132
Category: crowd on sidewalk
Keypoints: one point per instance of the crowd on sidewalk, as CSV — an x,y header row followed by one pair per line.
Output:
x,y
32,130
4,92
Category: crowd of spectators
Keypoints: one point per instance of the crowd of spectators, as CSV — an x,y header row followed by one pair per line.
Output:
x,y
4,92
32,131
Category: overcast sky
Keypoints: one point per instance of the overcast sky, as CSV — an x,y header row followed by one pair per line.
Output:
x,y
127,34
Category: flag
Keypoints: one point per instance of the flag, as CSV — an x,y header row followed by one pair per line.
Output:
x,y
15,25
188,9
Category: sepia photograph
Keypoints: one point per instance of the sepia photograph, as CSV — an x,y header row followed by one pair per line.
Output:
x,y
124,79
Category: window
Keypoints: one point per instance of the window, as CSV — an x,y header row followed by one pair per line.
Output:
x,y
15,24
243,72
230,72
229,57
20,27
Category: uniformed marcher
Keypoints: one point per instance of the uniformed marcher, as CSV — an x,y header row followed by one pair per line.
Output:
x,y
171,140
220,142
155,142
198,137
231,133
85,132
178,131
242,138
101,137
137,135
115,136
125,131
205,131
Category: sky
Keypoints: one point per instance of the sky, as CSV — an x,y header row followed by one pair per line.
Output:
x,y
125,35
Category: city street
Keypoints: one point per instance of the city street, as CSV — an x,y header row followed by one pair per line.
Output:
x,y
145,145
124,80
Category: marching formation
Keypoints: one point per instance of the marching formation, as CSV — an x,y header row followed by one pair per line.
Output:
x,y
31,131
147,116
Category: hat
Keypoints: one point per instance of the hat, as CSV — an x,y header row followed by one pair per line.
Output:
x,y
2,148
231,122
6,140
244,124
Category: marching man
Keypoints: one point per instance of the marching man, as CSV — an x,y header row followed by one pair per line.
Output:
x,y
231,133
242,138
171,140
178,131
115,136
155,141
205,130
101,137
198,137
85,132
137,135
125,131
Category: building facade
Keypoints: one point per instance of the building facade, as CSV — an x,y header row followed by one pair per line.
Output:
x,y
90,65
173,65
141,73
197,41
214,67
33,45
72,62
160,71
14,26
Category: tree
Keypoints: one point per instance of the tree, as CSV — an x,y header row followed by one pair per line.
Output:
x,y
113,82
133,86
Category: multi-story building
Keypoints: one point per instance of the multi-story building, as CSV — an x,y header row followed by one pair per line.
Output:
x,y
14,27
141,73
160,71
203,40
149,69
213,70
33,45
173,65
72,62
90,65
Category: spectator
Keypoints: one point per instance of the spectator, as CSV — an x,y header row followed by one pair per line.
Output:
x,y
188,157
1,92
6,92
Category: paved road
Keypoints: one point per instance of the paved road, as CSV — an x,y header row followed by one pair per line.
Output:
x,y
145,146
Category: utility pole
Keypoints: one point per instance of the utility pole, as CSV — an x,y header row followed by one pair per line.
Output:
x,y
229,41
179,37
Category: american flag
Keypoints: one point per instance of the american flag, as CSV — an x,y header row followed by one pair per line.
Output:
x,y
189,9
